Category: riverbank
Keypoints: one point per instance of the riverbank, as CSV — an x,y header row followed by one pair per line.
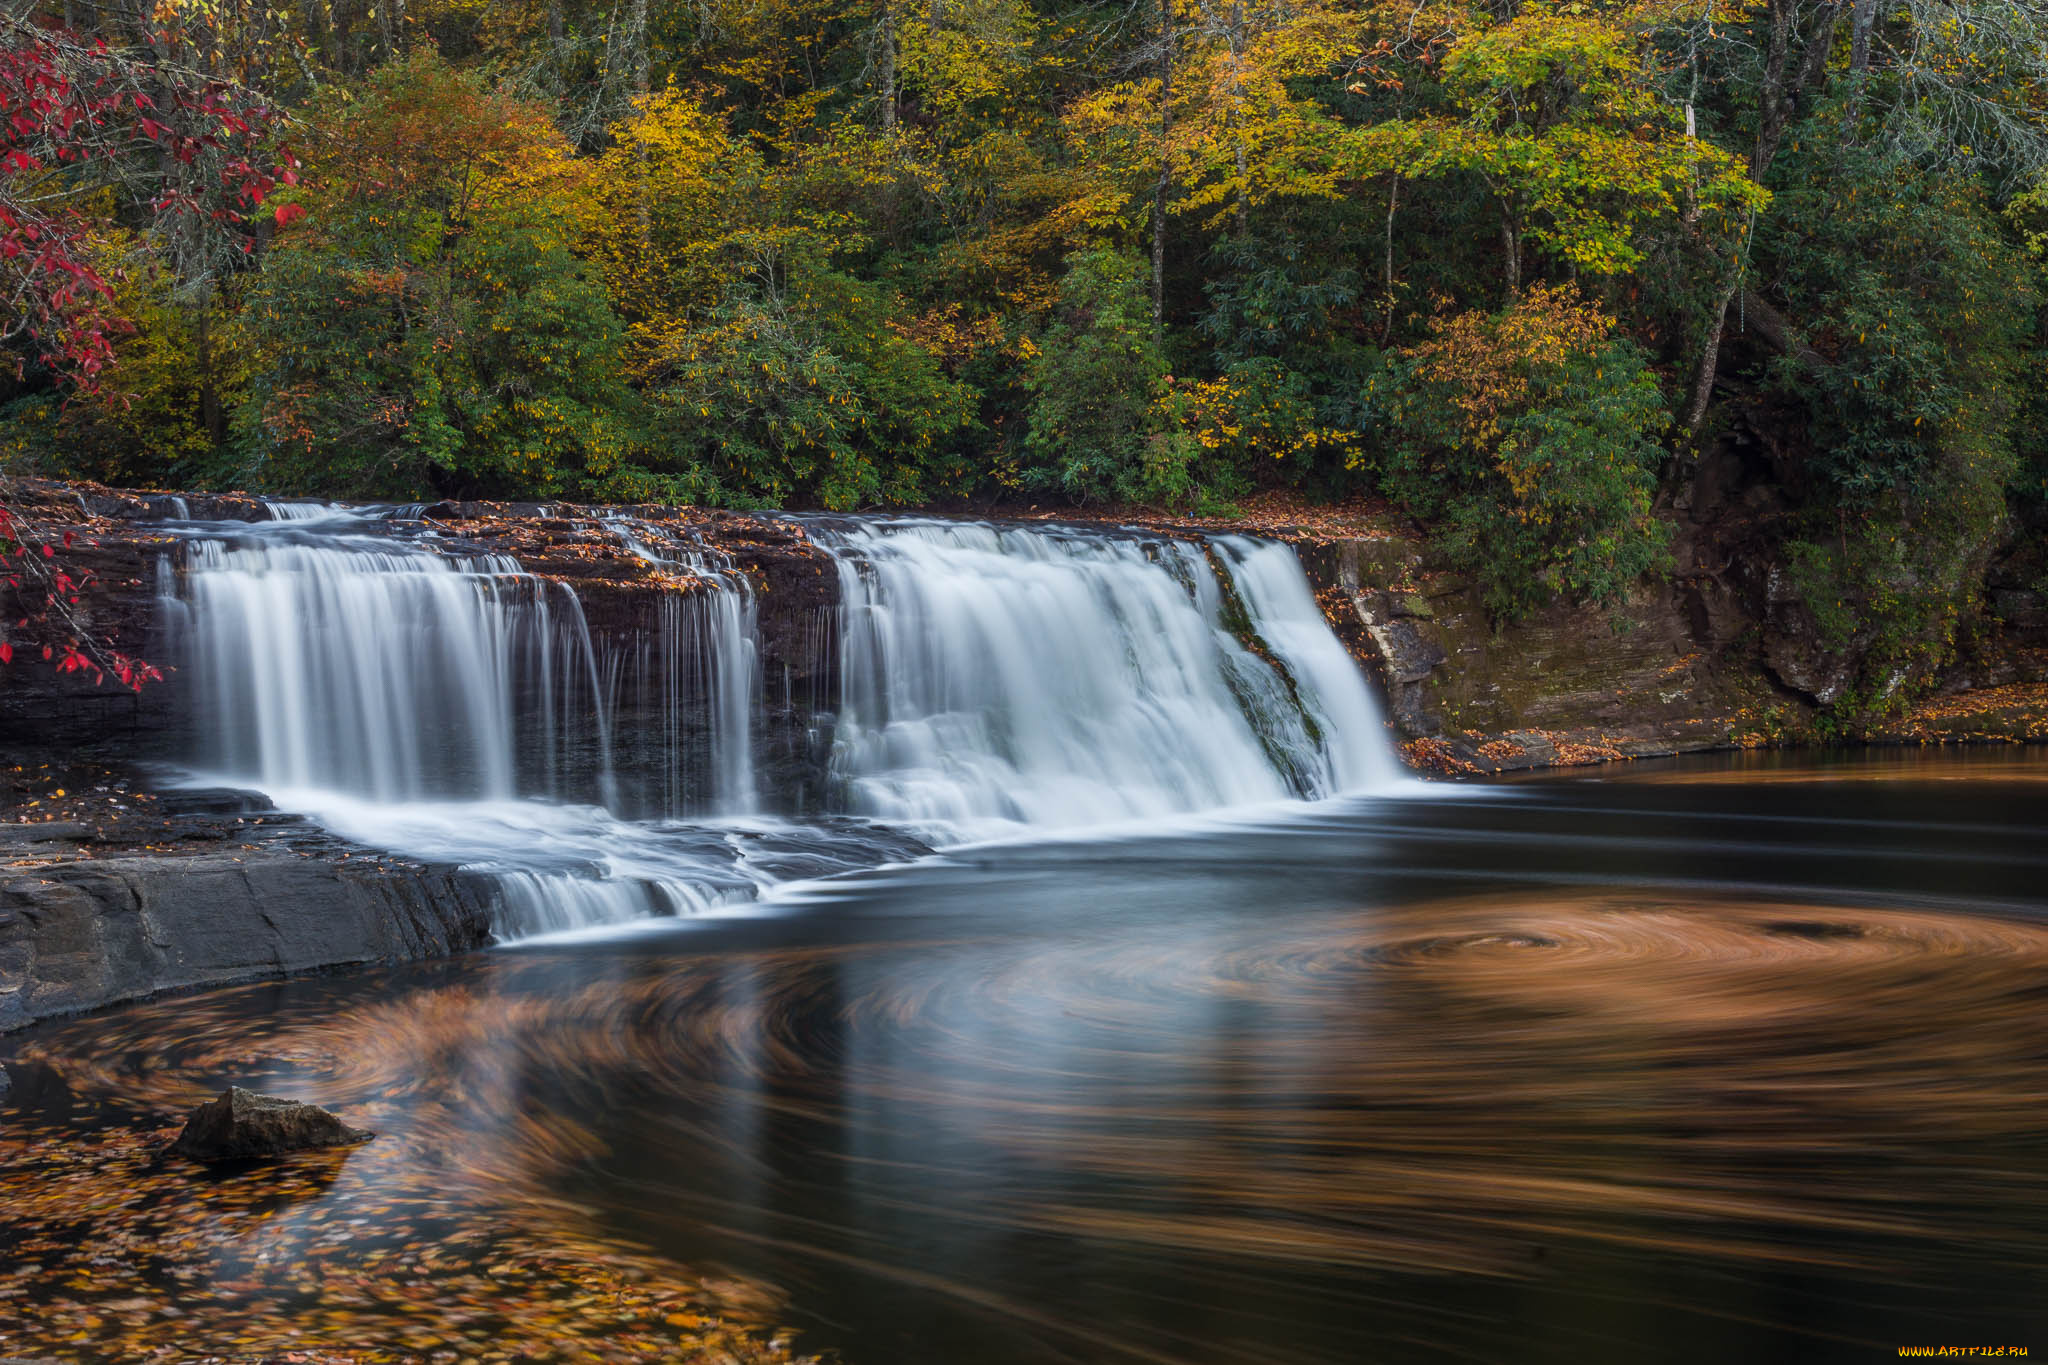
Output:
x,y
1707,659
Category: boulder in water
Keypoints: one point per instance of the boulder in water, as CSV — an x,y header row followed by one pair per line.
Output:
x,y
242,1123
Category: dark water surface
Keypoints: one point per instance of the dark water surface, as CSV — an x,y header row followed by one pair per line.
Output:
x,y
1728,1060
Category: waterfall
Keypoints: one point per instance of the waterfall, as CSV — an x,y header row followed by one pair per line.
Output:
x,y
1327,680
454,707
703,658
370,667
1047,678
306,511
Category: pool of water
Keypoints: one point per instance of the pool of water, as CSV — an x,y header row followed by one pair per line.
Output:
x,y
1728,1059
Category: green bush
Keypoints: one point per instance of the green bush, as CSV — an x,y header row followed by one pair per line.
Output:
x,y
428,330
796,389
1527,438
1914,310
1097,430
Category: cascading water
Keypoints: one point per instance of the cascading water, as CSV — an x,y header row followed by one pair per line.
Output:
x,y
456,708
1327,681
371,668
444,706
306,511
702,658
1001,677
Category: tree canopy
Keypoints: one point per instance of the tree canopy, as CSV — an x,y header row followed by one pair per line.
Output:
x,y
1511,266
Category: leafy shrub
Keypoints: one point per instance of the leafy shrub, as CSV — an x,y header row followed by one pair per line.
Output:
x,y
1528,437
796,388
1097,380
1914,311
427,329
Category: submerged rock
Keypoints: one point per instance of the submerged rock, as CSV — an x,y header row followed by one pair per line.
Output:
x,y
242,1123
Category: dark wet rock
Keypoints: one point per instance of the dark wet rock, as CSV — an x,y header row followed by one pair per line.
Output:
x,y
242,1124
79,930
1794,651
1566,685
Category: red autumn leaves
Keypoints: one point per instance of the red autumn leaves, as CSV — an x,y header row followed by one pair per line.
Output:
x,y
76,117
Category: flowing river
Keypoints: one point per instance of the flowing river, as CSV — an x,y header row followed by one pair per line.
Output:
x,y
1132,1006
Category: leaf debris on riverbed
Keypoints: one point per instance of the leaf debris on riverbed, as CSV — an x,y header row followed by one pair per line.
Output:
x,y
119,1251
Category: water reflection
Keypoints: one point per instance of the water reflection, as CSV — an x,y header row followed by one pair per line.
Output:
x,y
1682,1065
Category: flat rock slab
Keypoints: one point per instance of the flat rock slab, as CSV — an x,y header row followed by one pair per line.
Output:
x,y
242,1123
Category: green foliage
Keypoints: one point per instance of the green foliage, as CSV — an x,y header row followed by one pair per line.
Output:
x,y
829,253
1096,378
1528,435
432,332
1915,310
1914,372
145,424
796,389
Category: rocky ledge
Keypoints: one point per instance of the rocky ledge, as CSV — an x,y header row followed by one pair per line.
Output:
x,y
105,905
1708,659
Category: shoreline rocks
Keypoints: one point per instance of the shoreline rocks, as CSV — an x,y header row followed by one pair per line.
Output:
x,y
86,925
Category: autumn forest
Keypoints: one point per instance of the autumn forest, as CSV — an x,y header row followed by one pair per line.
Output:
x,y
1509,268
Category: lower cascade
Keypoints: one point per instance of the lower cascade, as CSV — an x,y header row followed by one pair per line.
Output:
x,y
994,681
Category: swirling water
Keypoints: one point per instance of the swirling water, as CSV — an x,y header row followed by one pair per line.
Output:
x,y
1692,1062
1709,1061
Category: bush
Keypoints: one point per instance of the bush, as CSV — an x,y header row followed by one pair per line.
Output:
x,y
1528,437
149,420
428,330
795,388
1915,310
1097,383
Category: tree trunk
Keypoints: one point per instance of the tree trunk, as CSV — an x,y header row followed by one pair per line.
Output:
x,y
1862,24
1511,249
1163,185
1703,378
1778,98
211,415
1387,258
642,85
642,68
886,37
1237,111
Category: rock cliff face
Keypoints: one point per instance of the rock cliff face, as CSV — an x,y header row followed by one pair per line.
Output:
x,y
1721,654
1565,686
